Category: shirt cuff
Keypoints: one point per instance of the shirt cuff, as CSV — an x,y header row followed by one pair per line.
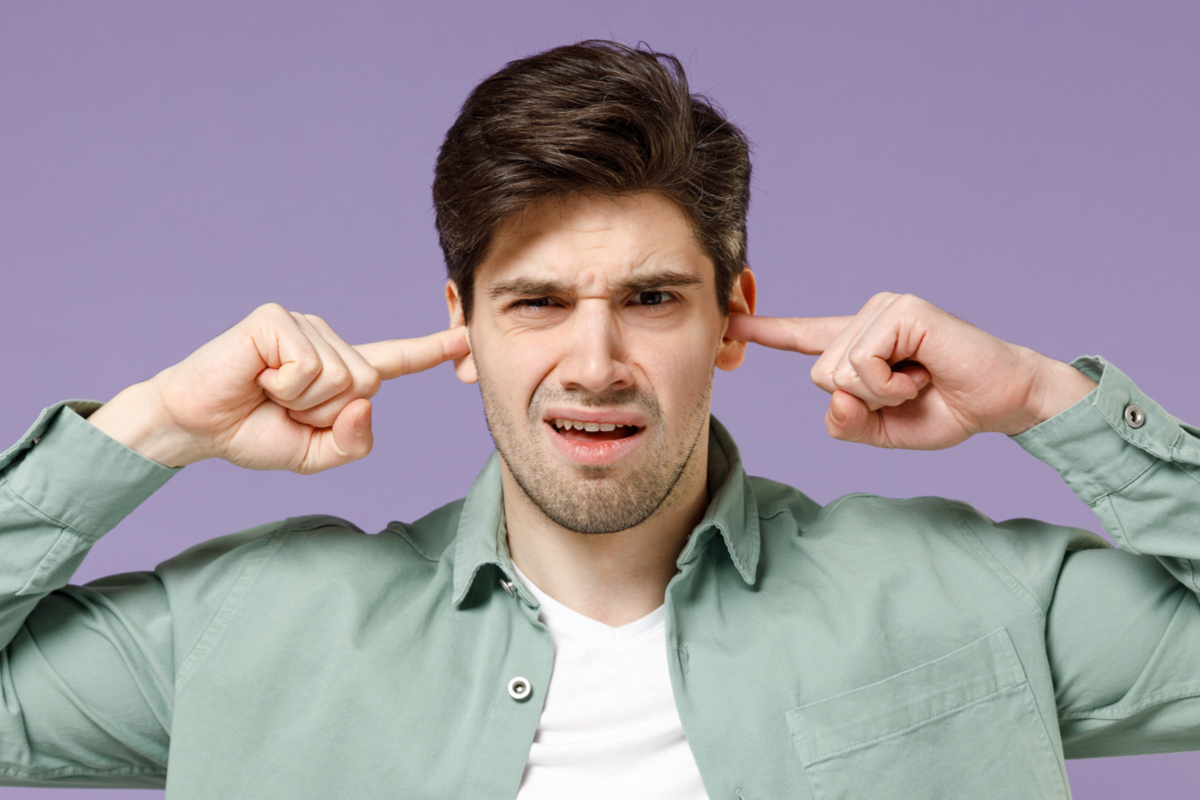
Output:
x,y
1110,437
77,475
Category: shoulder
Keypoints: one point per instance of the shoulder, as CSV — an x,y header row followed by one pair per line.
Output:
x,y
297,538
300,563
930,534
305,551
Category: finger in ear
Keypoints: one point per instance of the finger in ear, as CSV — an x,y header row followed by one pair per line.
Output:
x,y
742,300
464,367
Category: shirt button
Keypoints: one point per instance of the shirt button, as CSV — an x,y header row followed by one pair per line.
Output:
x,y
519,689
508,586
1134,415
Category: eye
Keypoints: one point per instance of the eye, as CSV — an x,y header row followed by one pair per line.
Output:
x,y
652,298
534,302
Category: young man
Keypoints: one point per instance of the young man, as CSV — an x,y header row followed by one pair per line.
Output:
x,y
615,609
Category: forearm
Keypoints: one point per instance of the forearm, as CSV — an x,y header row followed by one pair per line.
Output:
x,y
1133,463
62,486
1122,629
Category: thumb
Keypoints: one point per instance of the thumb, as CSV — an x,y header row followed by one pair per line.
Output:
x,y
850,420
349,439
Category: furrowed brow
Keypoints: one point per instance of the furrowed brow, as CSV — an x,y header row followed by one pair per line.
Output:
x,y
531,287
526,287
658,280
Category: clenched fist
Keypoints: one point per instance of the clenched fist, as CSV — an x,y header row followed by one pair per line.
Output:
x,y
904,373
279,390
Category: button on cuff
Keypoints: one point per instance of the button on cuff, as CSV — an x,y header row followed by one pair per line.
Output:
x,y
1135,417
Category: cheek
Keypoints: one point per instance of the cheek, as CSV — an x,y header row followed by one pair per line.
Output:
x,y
516,364
681,370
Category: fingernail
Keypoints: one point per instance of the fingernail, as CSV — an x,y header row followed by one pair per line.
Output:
x,y
364,420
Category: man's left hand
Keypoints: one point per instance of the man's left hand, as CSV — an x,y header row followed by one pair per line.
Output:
x,y
904,373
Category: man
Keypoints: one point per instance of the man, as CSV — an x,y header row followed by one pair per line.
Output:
x,y
615,609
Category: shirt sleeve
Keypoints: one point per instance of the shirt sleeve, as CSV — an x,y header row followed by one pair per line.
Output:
x,y
1123,626
85,671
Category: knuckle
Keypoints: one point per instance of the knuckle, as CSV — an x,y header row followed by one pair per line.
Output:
x,y
271,310
309,366
878,299
858,355
371,382
844,375
341,378
822,377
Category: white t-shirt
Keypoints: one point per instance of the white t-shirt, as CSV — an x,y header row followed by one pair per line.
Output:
x,y
609,727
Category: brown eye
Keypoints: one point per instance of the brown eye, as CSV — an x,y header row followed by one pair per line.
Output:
x,y
652,298
535,302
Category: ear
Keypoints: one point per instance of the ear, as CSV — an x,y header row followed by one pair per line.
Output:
x,y
464,367
742,300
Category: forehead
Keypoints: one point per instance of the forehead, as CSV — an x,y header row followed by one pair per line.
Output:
x,y
593,243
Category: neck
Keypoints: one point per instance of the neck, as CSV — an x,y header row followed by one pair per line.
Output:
x,y
614,578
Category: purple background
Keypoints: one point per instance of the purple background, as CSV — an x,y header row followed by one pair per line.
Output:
x,y
165,168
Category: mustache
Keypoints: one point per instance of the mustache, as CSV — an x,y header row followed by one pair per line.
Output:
x,y
631,396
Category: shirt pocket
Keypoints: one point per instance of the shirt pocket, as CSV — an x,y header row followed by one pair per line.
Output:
x,y
962,726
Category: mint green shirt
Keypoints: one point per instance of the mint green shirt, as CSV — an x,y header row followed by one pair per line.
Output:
x,y
871,648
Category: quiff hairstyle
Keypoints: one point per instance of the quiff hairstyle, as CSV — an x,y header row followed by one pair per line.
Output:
x,y
595,117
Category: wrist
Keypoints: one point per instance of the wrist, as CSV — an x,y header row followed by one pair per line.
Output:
x,y
137,418
1055,386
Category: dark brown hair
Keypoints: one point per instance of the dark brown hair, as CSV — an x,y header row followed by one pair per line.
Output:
x,y
594,117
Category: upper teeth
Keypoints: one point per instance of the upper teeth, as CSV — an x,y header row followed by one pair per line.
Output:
x,y
567,424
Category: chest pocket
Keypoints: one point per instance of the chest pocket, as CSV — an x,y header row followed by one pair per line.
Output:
x,y
961,726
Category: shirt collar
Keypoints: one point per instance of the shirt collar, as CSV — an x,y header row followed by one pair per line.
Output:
x,y
732,511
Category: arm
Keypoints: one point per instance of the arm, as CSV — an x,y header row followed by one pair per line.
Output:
x,y
87,673
63,486
1122,626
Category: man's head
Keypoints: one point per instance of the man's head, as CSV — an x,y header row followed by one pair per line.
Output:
x,y
593,216
599,118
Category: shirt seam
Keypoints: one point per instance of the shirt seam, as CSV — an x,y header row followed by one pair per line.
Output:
x,y
232,604
1155,460
67,772
479,750
418,550
229,608
1119,712
912,726
1018,589
5,483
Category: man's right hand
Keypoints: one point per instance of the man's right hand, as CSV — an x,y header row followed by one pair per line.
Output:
x,y
279,390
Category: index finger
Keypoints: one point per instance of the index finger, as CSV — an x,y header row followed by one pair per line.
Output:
x,y
808,335
396,357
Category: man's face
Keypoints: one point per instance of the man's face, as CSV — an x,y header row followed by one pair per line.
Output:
x,y
594,334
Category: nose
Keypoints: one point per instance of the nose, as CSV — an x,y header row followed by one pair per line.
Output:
x,y
594,357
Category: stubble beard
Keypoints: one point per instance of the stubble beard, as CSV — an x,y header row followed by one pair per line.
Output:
x,y
596,499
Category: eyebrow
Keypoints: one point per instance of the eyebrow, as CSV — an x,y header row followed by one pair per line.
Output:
x,y
531,287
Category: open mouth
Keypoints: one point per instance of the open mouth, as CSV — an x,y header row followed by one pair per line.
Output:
x,y
592,431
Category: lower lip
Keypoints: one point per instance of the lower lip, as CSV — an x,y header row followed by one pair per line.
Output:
x,y
595,454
